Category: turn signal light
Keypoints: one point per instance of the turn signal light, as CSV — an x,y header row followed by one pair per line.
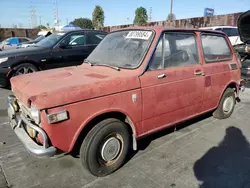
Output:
x,y
57,117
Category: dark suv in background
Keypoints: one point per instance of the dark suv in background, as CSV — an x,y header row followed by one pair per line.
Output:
x,y
55,51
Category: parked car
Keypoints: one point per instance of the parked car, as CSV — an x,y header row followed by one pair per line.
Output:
x,y
12,43
136,82
33,42
56,50
231,32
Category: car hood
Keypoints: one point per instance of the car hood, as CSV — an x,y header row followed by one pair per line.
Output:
x,y
20,51
244,26
47,89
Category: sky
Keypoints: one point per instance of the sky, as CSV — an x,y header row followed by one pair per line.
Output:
x,y
116,12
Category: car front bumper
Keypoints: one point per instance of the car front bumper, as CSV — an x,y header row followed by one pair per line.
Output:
x,y
17,122
4,80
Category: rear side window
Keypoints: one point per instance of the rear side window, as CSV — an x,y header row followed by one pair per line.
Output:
x,y
215,48
95,38
231,32
23,40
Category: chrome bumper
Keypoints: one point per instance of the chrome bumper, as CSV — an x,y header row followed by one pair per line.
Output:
x,y
17,121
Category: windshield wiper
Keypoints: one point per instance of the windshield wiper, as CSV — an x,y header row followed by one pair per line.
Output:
x,y
87,61
100,64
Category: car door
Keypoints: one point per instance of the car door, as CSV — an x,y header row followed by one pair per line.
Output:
x,y
172,87
218,67
70,51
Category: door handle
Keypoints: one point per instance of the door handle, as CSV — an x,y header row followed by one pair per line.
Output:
x,y
199,73
161,76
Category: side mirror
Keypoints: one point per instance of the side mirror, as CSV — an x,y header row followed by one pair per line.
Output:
x,y
63,46
8,43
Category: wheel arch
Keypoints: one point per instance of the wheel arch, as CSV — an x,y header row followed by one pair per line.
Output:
x,y
84,130
234,85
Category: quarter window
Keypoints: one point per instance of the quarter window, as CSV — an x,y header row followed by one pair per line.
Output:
x,y
175,50
215,48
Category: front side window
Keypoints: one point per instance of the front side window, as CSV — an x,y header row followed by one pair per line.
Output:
x,y
76,40
175,50
123,49
215,48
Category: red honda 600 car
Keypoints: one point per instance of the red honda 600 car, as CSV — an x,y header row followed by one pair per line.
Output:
x,y
137,81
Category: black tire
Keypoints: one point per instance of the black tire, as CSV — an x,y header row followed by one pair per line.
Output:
x,y
220,112
28,66
93,147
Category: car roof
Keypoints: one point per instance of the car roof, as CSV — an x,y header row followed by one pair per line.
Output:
x,y
216,27
159,29
72,31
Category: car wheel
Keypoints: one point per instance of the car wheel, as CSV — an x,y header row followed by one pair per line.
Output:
x,y
226,105
105,147
24,68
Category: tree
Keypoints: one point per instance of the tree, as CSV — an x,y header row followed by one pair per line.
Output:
x,y
83,23
171,17
98,17
141,16
41,27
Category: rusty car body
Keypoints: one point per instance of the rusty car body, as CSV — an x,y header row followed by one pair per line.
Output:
x,y
107,107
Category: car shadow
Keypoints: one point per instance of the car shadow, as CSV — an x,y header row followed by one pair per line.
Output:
x,y
226,165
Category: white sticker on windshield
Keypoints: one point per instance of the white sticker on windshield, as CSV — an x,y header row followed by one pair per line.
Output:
x,y
144,35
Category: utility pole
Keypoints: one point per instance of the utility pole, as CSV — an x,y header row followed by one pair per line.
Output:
x,y
150,14
171,10
40,21
56,14
67,21
32,15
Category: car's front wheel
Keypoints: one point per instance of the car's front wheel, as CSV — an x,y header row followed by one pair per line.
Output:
x,y
105,147
24,68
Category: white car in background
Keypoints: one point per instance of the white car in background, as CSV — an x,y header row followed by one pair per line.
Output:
x,y
230,31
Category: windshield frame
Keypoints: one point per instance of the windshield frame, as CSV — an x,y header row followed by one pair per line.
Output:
x,y
146,51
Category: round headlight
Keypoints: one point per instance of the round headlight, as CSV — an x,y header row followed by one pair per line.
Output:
x,y
35,114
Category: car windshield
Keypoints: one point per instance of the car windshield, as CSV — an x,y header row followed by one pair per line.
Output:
x,y
39,38
50,40
123,49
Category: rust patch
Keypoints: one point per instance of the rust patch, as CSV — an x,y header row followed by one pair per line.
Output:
x,y
96,76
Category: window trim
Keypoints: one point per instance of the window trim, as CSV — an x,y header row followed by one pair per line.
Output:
x,y
163,45
218,35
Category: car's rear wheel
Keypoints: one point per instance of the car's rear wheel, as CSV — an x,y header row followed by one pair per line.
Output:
x,y
226,105
25,68
105,147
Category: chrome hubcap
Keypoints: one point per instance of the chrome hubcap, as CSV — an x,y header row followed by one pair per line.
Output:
x,y
111,149
228,105
24,70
